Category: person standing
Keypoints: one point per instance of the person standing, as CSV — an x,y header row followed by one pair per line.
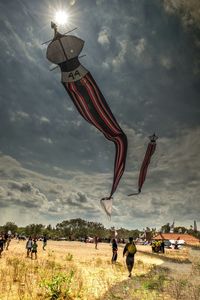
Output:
x,y
1,244
5,238
162,246
8,242
29,245
44,242
129,251
176,245
34,249
96,241
114,251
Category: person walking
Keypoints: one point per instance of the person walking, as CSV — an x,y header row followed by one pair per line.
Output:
x,y
8,242
114,251
96,241
1,245
129,251
29,245
44,242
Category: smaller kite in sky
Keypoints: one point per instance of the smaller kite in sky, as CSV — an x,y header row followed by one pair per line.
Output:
x,y
143,170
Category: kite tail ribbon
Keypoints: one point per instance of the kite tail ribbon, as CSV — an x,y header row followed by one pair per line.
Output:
x,y
106,204
147,158
93,107
135,194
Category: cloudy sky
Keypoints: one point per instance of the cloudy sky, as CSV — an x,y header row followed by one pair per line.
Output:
x,y
145,57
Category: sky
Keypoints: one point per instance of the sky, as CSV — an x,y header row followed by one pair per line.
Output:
x,y
145,58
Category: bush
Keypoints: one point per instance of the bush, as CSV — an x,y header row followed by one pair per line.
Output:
x,y
59,286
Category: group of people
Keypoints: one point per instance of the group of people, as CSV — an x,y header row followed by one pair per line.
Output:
x,y
31,246
158,246
4,242
129,251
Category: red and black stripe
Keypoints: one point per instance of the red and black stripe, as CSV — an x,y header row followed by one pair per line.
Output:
x,y
92,105
147,158
143,170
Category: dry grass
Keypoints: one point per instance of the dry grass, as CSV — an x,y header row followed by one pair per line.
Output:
x,y
73,270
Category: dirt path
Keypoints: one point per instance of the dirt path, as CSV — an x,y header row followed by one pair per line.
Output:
x,y
174,267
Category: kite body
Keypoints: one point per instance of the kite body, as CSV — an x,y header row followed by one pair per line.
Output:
x,y
88,99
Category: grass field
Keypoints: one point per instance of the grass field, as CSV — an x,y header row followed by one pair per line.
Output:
x,y
73,270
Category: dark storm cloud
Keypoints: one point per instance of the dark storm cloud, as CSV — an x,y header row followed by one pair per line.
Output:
x,y
156,58
12,199
187,210
42,194
80,194
135,43
25,187
189,11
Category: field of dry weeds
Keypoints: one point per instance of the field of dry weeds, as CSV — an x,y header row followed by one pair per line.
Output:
x,y
74,270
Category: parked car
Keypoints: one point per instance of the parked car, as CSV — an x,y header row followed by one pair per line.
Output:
x,y
22,237
168,244
90,240
63,239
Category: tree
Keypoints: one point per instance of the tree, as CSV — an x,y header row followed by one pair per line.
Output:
x,y
78,228
34,229
64,229
10,226
71,229
180,229
165,228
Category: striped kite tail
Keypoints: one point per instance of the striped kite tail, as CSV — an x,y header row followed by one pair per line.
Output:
x,y
147,158
121,145
93,107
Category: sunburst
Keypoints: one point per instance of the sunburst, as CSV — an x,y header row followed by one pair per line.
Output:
x,y
61,17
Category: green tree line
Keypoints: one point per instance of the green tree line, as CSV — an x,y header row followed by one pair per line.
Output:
x,y
77,228
70,229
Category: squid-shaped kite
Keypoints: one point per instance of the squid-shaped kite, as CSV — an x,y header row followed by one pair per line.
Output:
x,y
64,50
147,158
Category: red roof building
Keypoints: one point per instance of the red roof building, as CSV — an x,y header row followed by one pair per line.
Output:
x,y
189,239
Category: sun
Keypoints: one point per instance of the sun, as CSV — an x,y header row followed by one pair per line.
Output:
x,y
61,17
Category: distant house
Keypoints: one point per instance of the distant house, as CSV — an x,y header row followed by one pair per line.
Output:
x,y
187,238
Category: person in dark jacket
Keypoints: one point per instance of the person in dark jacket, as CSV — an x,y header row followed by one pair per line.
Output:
x,y
44,242
5,238
114,251
96,239
1,244
162,246
129,251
